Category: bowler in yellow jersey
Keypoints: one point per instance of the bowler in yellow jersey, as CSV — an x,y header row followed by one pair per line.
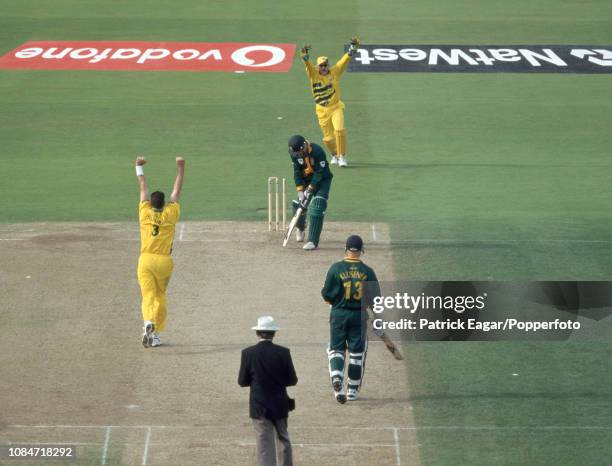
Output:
x,y
325,86
157,220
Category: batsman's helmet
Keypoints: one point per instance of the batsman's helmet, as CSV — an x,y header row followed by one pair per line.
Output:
x,y
297,143
354,243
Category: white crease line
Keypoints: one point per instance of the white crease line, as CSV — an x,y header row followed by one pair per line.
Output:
x,y
59,426
216,426
8,442
375,428
240,443
374,238
106,441
397,447
417,242
181,231
135,239
146,446
330,445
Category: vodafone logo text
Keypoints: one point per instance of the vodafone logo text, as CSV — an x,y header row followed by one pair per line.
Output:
x,y
151,56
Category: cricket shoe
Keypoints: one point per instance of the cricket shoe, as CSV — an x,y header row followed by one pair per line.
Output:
x,y
337,384
299,236
334,160
309,246
342,161
340,397
156,341
352,394
147,336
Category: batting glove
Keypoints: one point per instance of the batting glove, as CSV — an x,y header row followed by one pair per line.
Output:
x,y
355,43
304,202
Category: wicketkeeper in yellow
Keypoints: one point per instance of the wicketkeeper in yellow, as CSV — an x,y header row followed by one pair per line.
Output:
x,y
325,85
158,221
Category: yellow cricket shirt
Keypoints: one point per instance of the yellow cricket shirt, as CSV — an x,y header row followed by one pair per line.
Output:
x,y
157,228
326,88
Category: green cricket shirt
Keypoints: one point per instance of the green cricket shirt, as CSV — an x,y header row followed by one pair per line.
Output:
x,y
310,170
345,285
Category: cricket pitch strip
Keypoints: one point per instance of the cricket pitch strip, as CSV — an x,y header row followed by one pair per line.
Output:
x,y
74,370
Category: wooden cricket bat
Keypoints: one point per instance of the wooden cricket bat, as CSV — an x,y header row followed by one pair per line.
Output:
x,y
294,221
291,226
391,346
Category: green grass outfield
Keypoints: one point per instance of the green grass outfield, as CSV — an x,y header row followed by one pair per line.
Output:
x,y
459,157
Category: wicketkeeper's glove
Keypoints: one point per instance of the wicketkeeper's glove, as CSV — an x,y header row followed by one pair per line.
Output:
x,y
305,52
355,43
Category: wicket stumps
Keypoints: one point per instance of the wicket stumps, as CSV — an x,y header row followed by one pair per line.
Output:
x,y
273,187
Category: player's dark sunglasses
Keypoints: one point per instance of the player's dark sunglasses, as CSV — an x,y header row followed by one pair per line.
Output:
x,y
323,65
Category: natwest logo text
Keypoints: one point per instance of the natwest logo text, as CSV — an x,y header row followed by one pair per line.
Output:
x,y
483,58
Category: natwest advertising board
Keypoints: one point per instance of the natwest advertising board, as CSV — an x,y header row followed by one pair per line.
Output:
x,y
150,56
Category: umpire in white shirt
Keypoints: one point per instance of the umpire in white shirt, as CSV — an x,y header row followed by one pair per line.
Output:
x,y
268,369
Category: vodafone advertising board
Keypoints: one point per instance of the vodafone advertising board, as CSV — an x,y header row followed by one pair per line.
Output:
x,y
150,56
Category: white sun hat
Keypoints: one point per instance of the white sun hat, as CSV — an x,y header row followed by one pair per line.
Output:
x,y
266,324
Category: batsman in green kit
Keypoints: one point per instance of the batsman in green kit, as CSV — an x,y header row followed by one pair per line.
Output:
x,y
345,290
313,182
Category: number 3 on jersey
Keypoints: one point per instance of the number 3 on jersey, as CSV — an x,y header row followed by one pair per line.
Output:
x,y
353,290
155,230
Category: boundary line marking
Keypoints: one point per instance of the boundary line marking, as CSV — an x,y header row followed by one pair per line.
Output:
x,y
106,441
